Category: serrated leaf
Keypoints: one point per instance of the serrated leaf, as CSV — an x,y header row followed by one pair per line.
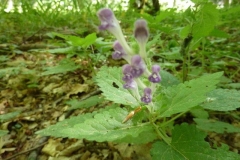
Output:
x,y
92,101
207,18
104,126
222,100
187,144
64,66
110,82
2,133
186,95
215,126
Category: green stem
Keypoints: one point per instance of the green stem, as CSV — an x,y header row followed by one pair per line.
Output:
x,y
185,54
161,134
172,119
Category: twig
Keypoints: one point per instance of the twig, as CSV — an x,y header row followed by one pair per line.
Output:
x,y
23,152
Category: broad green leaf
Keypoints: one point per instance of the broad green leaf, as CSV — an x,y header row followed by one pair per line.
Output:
x,y
92,101
104,126
162,151
222,100
188,144
8,116
186,95
89,40
65,65
207,18
110,82
168,79
2,133
216,126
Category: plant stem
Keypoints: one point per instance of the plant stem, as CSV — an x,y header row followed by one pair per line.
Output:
x,y
161,134
184,52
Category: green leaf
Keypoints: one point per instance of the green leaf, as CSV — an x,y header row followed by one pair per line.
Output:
x,y
168,79
9,71
89,40
222,100
199,112
186,95
8,116
164,14
207,18
215,126
77,41
187,144
2,133
110,82
104,126
185,31
219,33
65,65
74,40
87,103
65,50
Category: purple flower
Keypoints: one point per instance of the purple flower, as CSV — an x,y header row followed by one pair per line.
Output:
x,y
107,18
110,23
131,84
119,51
155,77
138,66
127,69
147,97
141,32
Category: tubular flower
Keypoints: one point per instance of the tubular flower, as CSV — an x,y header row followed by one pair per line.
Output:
x,y
107,18
138,66
155,77
141,32
126,69
147,97
119,51
110,23
131,84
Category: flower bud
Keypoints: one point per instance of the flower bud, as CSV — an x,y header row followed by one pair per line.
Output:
x,y
141,32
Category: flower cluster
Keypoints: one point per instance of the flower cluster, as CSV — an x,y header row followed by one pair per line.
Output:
x,y
136,66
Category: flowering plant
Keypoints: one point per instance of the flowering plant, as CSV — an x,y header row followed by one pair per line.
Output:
x,y
152,98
